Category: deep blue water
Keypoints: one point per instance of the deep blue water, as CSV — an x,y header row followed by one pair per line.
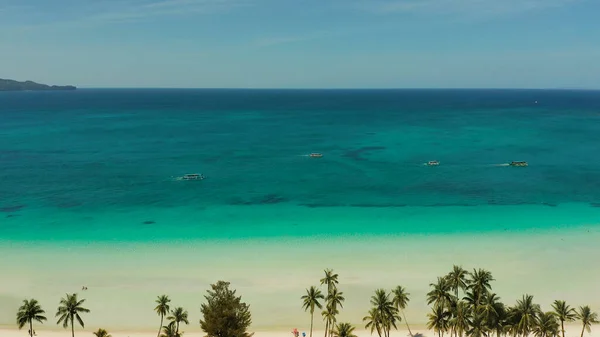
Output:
x,y
108,150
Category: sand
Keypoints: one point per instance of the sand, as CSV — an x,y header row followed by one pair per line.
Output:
x,y
273,275
571,331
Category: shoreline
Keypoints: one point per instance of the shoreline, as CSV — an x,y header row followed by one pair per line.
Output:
x,y
271,275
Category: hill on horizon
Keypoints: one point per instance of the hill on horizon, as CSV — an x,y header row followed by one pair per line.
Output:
x,y
12,85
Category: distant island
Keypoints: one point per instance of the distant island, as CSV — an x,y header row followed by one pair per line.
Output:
x,y
12,85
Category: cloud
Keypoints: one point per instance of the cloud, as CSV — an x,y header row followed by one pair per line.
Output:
x,y
87,12
463,7
148,9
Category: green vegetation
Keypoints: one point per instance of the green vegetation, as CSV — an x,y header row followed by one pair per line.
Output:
x,y
463,304
310,301
333,300
587,318
170,331
162,309
30,311
101,333
178,315
564,313
343,330
224,314
68,311
12,85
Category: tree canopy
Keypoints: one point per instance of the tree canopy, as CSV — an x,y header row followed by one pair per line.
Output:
x,y
224,314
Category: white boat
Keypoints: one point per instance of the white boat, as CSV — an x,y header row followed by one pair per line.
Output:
x,y
433,163
193,176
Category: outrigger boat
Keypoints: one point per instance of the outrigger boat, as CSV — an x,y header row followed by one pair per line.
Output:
x,y
316,155
193,176
433,163
518,163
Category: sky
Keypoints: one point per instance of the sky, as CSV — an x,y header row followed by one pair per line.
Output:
x,y
302,43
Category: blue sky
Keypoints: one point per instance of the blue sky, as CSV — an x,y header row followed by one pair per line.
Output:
x,y
303,43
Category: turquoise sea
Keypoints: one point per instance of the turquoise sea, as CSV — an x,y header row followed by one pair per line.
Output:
x,y
88,196
100,164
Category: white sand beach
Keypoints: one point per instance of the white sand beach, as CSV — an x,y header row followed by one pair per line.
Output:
x,y
123,280
570,331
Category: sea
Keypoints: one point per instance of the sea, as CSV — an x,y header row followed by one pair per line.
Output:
x,y
102,164
91,201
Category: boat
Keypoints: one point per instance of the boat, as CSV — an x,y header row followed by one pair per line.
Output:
x,y
433,163
518,163
193,176
316,155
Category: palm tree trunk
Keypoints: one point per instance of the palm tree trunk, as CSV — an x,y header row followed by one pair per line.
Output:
x,y
312,315
160,327
331,327
326,327
72,328
405,321
30,328
562,327
582,330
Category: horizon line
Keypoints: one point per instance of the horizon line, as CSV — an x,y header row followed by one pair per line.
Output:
x,y
332,89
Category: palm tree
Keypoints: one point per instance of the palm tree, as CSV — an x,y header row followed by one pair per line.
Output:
x,y
480,283
457,279
489,308
170,331
310,301
30,311
587,318
478,327
387,312
564,313
511,321
102,333
330,279
498,321
334,299
438,320
440,294
545,325
179,315
400,301
329,317
162,309
68,311
373,321
526,311
470,298
460,319
343,330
